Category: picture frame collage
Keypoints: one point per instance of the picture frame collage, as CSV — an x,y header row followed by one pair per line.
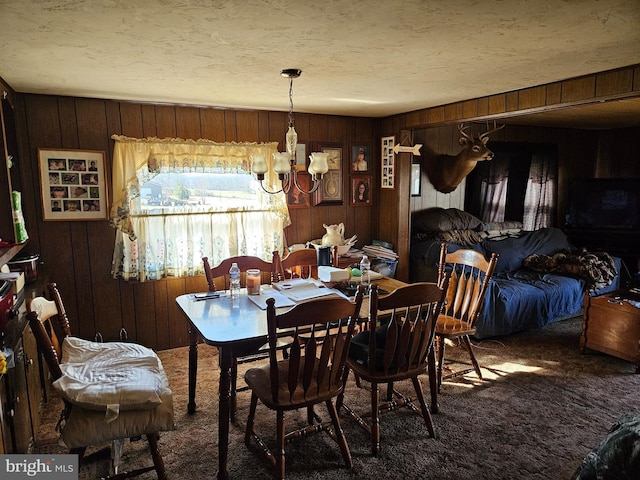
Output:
x,y
330,192
388,163
73,185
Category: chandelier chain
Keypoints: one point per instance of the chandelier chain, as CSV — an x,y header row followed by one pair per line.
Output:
x,y
290,101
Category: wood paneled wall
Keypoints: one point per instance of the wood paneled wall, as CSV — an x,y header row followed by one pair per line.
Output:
x,y
77,255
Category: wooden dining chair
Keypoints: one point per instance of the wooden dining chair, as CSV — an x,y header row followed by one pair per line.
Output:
x,y
469,276
311,375
395,346
132,397
218,279
218,276
301,263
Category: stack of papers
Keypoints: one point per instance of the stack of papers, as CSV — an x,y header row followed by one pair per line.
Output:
x,y
380,252
267,292
300,289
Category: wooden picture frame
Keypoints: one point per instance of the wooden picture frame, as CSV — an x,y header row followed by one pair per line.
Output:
x,y
416,179
296,198
361,198
360,158
73,185
330,191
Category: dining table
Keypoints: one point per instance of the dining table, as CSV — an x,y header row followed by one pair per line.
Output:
x,y
238,327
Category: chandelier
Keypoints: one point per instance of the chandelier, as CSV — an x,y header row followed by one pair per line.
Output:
x,y
284,164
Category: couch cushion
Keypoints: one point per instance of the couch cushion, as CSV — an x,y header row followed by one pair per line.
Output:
x,y
441,220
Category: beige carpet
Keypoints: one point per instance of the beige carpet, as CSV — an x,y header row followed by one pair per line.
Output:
x,y
540,409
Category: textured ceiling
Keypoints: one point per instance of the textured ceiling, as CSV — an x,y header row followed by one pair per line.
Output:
x,y
363,58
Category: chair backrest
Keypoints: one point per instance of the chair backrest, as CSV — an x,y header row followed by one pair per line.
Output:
x,y
316,359
402,327
41,314
301,263
220,273
470,273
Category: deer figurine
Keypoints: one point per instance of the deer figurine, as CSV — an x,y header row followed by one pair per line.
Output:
x,y
446,172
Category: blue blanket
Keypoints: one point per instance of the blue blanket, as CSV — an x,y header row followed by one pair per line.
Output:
x,y
517,298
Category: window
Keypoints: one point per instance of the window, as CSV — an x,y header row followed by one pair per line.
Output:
x,y
519,184
187,200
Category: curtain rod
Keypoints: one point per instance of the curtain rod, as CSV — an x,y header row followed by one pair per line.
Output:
x,y
136,215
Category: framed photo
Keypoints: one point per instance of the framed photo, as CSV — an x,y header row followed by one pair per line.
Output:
x,y
361,191
330,190
73,184
297,199
360,158
388,163
416,179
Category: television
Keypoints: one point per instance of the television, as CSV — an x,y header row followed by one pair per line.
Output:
x,y
604,203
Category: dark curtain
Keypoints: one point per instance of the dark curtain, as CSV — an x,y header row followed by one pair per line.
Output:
x,y
496,190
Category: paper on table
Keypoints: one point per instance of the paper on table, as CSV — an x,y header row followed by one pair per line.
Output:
x,y
300,294
267,292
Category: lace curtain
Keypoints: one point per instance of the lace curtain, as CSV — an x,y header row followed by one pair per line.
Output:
x,y
172,244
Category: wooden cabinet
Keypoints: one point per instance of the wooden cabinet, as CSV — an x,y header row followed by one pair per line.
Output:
x,y
612,325
21,391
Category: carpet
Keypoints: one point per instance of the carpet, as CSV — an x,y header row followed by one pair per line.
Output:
x,y
541,408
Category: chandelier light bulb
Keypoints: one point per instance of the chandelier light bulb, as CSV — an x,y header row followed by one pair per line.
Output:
x,y
259,165
281,163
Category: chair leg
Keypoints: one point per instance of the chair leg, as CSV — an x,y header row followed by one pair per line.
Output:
x,y
311,415
389,391
340,438
158,462
80,451
474,362
233,401
433,380
375,420
441,344
340,399
428,421
252,415
279,454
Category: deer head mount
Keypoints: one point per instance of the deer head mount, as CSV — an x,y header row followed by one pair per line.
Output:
x,y
446,172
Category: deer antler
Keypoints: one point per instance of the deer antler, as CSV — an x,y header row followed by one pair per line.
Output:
x,y
494,129
461,129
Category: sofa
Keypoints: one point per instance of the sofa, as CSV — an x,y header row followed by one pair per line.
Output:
x,y
539,278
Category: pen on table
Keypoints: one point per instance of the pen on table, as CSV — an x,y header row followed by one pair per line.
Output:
x,y
197,299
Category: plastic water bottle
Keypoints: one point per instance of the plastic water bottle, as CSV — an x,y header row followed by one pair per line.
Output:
x,y
365,267
234,280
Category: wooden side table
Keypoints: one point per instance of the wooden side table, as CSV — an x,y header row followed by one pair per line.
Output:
x,y
611,325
